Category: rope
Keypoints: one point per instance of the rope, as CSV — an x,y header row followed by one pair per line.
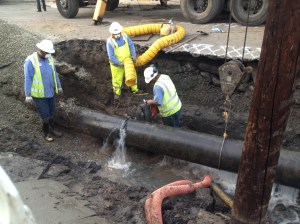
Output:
x,y
226,116
247,24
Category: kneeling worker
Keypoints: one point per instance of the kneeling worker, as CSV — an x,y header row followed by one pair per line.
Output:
x,y
165,96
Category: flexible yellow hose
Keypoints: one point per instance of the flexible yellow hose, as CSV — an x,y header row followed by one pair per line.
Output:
x,y
129,66
222,195
130,73
158,44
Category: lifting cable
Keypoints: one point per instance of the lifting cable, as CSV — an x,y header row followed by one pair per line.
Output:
x,y
227,102
246,32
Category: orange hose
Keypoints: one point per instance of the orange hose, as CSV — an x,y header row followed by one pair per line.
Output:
x,y
154,201
148,203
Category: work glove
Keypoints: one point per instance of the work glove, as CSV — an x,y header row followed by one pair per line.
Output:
x,y
29,99
60,91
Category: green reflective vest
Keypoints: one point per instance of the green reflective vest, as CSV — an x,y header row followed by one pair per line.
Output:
x,y
122,52
171,102
37,87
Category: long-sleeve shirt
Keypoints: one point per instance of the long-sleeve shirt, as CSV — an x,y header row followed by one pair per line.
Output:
x,y
47,77
111,49
158,93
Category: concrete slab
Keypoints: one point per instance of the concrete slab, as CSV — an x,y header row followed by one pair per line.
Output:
x,y
50,204
52,25
20,168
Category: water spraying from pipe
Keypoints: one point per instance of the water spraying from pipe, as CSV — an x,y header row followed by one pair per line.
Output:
x,y
119,160
105,145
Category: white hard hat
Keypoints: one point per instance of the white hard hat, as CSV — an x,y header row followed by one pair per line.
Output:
x,y
115,28
46,46
150,73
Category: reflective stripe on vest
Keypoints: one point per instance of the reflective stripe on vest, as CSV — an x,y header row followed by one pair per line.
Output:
x,y
37,87
171,102
121,52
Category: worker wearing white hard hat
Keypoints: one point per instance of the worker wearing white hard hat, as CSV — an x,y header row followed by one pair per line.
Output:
x,y
46,46
165,96
119,47
42,84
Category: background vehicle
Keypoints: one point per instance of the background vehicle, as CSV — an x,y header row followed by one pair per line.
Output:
x,y
196,11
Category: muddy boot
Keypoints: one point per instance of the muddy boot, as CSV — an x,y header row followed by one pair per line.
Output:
x,y
116,100
52,129
46,130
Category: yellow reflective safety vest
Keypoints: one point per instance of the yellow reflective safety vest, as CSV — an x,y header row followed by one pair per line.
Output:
x,y
37,87
171,102
122,52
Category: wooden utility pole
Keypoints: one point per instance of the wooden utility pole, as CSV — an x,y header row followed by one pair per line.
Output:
x,y
269,112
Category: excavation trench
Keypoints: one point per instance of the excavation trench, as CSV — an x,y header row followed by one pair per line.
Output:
x,y
197,83
196,80
186,145
78,161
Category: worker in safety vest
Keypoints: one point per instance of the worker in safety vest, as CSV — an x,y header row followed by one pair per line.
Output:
x,y
119,47
165,96
41,85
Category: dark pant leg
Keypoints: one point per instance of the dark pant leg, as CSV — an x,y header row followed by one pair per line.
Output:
x,y
172,120
44,106
176,119
38,5
44,5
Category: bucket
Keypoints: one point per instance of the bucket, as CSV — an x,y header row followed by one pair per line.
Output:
x,y
130,73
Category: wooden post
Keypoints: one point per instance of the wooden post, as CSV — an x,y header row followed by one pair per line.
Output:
x,y
269,112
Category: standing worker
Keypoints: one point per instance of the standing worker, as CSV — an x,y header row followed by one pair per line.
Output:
x,y
119,47
165,96
41,85
39,5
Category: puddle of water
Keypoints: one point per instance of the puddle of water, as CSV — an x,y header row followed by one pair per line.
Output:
x,y
139,168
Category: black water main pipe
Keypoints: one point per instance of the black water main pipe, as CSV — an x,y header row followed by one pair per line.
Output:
x,y
182,144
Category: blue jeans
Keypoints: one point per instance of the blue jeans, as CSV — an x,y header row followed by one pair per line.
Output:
x,y
172,120
44,106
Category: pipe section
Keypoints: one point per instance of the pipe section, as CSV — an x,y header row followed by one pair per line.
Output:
x,y
182,144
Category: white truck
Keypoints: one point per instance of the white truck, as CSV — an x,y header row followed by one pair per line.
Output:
x,y
196,11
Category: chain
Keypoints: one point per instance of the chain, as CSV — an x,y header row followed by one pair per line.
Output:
x,y
226,112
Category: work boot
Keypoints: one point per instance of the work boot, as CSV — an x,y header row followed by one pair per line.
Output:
x,y
116,100
125,88
52,129
47,135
